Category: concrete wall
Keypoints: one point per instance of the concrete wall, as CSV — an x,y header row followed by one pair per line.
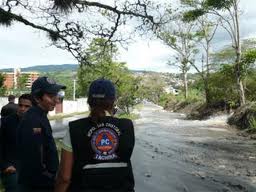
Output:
x,y
79,105
70,106
4,101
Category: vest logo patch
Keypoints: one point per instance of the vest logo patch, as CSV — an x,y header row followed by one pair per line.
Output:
x,y
104,142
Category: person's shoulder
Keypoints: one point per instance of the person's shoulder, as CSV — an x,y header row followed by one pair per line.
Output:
x,y
4,107
31,117
11,104
11,118
32,111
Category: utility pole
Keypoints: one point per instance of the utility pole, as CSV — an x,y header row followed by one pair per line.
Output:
x,y
74,85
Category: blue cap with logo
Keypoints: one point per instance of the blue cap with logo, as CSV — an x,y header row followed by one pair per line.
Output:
x,y
102,89
46,85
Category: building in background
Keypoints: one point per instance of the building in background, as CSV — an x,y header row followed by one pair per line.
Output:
x,y
11,78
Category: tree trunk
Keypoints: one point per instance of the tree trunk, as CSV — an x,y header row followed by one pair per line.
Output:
x,y
238,58
239,82
185,81
127,109
206,83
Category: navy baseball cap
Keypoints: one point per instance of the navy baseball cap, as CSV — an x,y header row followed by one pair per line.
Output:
x,y
102,89
46,85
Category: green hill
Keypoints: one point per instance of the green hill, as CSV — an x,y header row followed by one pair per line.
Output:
x,y
46,68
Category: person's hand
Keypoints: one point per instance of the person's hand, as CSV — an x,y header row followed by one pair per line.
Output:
x,y
10,169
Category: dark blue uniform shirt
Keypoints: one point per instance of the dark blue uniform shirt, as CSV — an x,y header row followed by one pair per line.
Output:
x,y
37,154
8,152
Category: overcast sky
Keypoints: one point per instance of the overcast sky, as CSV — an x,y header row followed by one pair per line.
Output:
x,y
21,46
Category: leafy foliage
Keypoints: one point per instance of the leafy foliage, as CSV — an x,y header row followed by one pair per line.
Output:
x,y
250,85
247,61
152,88
222,85
22,81
72,24
244,117
5,19
218,4
193,15
252,124
2,79
181,38
102,66
2,88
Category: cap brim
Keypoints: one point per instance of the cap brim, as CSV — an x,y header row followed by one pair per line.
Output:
x,y
54,89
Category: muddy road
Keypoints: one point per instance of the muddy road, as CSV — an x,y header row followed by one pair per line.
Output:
x,y
177,155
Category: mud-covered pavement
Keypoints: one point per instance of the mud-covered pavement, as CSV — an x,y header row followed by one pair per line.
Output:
x,y
173,154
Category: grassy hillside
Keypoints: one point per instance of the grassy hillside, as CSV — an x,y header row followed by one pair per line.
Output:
x,y
46,68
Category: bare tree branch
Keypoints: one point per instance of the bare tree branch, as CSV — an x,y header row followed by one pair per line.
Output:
x,y
80,21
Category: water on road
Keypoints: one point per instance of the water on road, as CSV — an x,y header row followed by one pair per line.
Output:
x,y
176,155
173,154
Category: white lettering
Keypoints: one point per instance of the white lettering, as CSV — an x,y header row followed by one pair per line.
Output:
x,y
114,127
104,141
108,157
100,125
89,134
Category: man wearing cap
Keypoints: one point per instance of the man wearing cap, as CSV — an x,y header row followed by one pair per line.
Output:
x,y
37,154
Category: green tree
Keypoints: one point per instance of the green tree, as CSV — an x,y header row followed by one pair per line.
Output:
x,y
247,66
2,88
205,32
22,81
250,86
102,65
227,11
222,86
180,37
222,83
152,88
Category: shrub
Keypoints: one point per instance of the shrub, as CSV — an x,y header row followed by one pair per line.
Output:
x,y
244,117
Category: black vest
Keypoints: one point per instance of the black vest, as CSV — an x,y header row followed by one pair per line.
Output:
x,y
102,155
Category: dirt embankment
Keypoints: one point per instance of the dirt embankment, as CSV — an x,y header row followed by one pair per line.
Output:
x,y
197,110
243,118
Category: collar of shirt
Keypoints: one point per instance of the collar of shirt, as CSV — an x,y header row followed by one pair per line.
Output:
x,y
39,110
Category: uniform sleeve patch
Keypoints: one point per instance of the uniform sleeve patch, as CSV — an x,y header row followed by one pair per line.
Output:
x,y
37,131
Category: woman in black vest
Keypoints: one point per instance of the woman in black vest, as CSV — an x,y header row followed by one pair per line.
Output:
x,y
96,150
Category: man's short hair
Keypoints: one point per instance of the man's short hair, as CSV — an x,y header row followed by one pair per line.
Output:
x,y
11,97
26,96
